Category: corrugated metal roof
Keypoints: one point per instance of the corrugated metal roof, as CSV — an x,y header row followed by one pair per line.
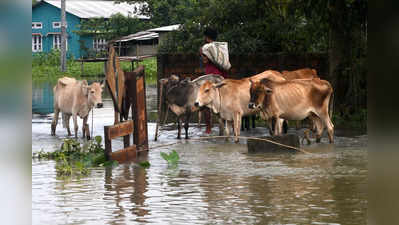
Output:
x,y
165,28
92,9
148,34
139,36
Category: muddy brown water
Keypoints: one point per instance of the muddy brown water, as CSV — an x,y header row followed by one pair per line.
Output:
x,y
215,182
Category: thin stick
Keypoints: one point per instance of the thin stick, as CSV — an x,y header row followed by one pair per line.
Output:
x,y
159,112
242,137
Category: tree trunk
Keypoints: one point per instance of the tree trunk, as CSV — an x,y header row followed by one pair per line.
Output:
x,y
63,37
338,46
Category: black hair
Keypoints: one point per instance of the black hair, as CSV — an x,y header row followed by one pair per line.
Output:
x,y
211,33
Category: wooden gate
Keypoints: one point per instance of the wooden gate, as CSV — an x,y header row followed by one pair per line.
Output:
x,y
127,91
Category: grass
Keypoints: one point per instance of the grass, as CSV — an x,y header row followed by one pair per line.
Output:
x,y
46,66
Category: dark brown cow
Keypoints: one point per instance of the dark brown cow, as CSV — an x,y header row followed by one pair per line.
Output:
x,y
181,94
294,100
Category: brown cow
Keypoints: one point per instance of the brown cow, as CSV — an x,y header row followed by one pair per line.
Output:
x,y
230,98
294,100
75,98
305,73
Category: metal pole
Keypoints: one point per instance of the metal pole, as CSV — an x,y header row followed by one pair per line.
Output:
x,y
63,37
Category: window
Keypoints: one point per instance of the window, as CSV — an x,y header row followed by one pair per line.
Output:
x,y
99,44
58,25
57,41
36,43
37,25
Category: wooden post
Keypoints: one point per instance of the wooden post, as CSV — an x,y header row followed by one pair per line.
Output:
x,y
63,37
81,67
139,109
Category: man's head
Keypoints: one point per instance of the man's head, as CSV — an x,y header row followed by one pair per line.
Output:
x,y
210,35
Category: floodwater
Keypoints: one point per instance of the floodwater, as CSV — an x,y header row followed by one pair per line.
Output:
x,y
215,182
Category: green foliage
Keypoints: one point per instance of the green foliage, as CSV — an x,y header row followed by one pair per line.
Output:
x,y
46,67
172,158
75,159
145,164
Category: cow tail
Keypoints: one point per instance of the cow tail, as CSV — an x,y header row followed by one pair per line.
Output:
x,y
331,105
63,120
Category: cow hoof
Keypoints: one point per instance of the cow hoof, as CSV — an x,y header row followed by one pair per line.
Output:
x,y
318,140
88,138
178,138
187,138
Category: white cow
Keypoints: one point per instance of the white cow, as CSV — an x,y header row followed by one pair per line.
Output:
x,y
75,98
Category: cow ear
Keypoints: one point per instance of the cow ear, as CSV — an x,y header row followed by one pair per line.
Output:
x,y
163,81
85,89
173,77
219,85
268,90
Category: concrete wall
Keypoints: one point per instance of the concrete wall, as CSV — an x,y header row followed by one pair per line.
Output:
x,y
143,50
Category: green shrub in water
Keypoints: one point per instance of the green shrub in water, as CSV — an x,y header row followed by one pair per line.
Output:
x,y
72,158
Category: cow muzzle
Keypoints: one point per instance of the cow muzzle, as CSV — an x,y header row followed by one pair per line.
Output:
x,y
99,105
251,105
196,104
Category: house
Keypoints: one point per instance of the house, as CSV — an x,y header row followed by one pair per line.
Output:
x,y
143,43
46,24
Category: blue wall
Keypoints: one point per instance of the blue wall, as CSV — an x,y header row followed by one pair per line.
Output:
x,y
47,14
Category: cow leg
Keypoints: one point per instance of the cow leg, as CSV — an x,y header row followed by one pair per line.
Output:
x,y
245,123
186,124
319,128
221,124
237,125
85,128
285,126
278,126
227,129
253,121
199,119
270,126
178,128
75,124
67,118
55,121
330,127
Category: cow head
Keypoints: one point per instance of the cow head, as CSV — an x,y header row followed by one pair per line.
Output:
x,y
179,93
168,83
94,93
207,93
259,91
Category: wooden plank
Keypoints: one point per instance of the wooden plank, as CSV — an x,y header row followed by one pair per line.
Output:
x,y
121,129
125,155
139,109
